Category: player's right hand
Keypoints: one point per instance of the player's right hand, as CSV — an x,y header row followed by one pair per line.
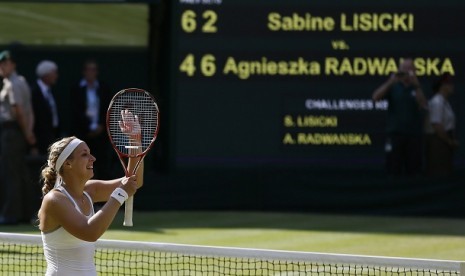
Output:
x,y
129,184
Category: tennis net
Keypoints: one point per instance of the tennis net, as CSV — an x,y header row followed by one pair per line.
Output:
x,y
22,254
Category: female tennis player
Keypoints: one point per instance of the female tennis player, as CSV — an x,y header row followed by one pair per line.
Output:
x,y
67,219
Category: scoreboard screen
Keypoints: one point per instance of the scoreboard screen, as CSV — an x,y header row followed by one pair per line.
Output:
x,y
290,82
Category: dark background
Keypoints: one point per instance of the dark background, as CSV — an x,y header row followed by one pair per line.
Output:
x,y
225,121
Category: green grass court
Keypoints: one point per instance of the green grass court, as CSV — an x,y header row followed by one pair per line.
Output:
x,y
385,236
74,24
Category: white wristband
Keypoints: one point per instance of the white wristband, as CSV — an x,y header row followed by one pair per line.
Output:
x,y
120,195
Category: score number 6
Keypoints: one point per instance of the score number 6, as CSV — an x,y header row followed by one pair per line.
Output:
x,y
189,22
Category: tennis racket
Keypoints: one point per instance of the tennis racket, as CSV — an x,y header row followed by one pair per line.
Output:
x,y
132,126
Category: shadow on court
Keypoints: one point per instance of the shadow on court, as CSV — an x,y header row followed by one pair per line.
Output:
x,y
160,221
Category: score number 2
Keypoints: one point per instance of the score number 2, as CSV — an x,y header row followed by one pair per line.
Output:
x,y
189,21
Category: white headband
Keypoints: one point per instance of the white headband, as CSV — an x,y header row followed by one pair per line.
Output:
x,y
63,156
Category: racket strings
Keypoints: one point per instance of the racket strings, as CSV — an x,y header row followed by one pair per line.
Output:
x,y
140,104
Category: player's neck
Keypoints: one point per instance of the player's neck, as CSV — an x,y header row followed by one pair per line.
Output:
x,y
76,194
74,190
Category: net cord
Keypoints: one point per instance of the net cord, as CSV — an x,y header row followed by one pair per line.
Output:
x,y
263,254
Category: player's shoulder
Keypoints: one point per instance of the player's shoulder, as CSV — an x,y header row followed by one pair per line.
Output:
x,y
55,198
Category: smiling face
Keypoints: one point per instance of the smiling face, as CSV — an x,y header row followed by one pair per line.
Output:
x,y
81,163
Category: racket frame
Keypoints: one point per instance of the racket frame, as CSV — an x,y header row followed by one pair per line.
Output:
x,y
128,206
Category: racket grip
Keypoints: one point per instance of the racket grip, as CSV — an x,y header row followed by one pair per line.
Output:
x,y
128,207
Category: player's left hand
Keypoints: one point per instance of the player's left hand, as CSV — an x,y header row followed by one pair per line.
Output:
x,y
130,124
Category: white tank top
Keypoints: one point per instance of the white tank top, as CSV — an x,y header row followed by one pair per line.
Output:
x,y
66,254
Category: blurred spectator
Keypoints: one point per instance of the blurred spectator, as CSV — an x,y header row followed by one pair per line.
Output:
x,y
405,121
17,121
90,99
441,139
45,109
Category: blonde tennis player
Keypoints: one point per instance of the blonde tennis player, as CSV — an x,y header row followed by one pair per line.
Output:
x,y
67,219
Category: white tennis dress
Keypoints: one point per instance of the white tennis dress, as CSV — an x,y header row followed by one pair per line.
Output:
x,y
67,255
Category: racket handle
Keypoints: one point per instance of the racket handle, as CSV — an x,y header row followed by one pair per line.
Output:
x,y
128,211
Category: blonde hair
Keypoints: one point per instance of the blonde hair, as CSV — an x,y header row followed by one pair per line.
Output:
x,y
49,174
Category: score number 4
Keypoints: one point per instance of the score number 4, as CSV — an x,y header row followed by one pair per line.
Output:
x,y
189,22
207,65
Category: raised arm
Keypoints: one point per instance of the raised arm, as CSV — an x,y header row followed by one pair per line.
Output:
x,y
101,190
382,90
58,210
130,125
